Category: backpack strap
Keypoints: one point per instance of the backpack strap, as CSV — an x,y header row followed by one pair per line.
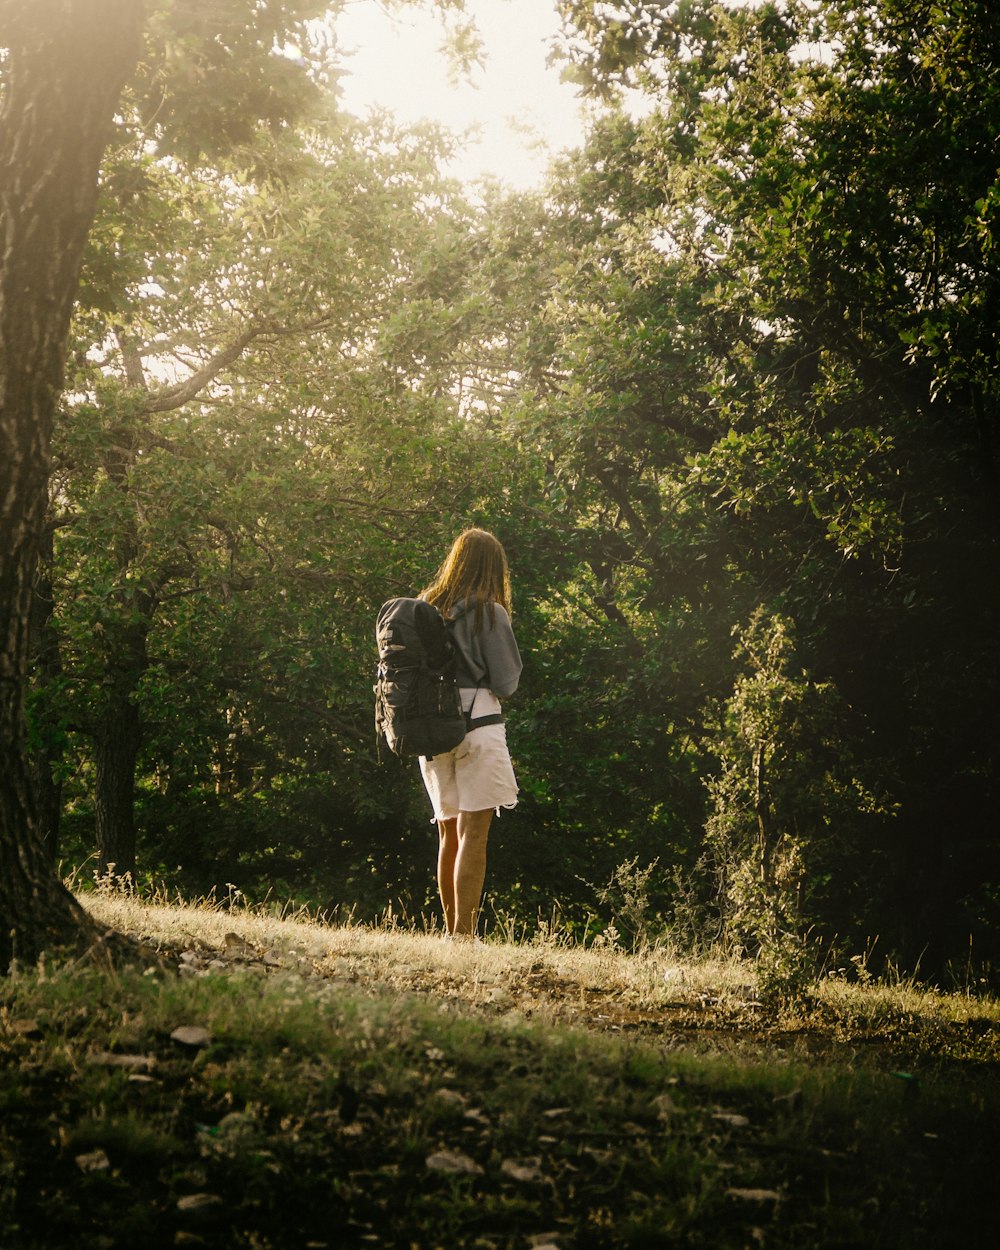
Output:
x,y
476,722
497,718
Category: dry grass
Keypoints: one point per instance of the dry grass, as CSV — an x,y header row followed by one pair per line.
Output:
x,y
548,974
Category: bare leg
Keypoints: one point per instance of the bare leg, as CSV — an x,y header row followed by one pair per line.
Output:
x,y
447,853
470,868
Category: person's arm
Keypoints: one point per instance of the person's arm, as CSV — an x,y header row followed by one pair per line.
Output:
x,y
499,647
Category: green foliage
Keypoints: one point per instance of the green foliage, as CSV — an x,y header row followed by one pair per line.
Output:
x,y
740,353
788,806
742,411
215,77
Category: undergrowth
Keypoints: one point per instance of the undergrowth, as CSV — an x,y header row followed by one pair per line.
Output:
x,y
361,1086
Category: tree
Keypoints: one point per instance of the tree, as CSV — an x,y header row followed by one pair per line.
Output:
x,y
813,234
209,534
787,803
65,66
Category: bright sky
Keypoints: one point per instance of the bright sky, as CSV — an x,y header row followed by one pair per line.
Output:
x,y
515,102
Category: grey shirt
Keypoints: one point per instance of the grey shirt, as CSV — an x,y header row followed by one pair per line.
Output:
x,y
489,658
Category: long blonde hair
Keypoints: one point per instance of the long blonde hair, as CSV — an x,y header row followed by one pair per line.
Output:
x,y
475,569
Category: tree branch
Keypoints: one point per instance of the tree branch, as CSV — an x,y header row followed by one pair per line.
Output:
x,y
173,397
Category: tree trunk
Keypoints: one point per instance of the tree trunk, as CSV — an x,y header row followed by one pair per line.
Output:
x,y
116,748
66,63
47,756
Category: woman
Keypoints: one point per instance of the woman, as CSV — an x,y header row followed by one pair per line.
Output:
x,y
466,786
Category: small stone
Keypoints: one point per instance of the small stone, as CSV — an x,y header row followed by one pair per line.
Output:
x,y
191,1035
452,1161
236,1122
452,1098
93,1161
529,1172
732,1119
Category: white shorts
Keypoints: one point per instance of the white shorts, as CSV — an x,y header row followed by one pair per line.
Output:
x,y
477,774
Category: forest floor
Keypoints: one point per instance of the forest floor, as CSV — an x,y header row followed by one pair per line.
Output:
x,y
269,1083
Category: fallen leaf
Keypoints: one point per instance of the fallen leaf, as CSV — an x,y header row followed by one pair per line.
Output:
x,y
665,1106
25,1028
452,1161
198,1202
754,1195
137,1063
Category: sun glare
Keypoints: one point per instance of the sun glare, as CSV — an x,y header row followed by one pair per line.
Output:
x,y
513,110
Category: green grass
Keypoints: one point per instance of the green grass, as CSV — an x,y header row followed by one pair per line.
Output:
x,y
594,1103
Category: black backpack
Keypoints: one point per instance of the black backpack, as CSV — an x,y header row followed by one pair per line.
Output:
x,y
417,705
